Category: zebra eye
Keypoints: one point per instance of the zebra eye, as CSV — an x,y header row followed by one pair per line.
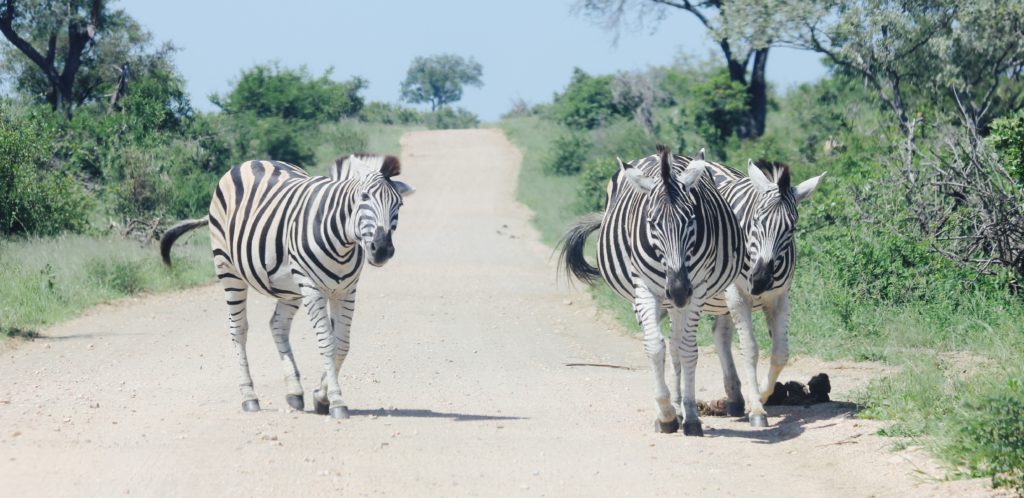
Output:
x,y
365,196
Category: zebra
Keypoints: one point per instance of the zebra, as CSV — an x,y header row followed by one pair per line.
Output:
x,y
301,239
766,207
669,242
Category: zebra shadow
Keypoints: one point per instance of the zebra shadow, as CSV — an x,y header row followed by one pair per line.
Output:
x,y
423,413
787,422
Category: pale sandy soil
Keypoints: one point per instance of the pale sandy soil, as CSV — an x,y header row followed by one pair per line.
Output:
x,y
457,381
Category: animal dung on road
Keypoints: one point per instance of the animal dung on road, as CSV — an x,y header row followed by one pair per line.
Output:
x,y
795,393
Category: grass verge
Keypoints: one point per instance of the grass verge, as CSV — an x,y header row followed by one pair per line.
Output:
x,y
47,280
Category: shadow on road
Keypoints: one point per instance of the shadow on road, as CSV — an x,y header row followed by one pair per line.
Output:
x,y
787,422
419,413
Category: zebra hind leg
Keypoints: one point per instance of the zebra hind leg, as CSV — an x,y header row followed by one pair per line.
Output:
x,y
280,328
723,346
235,292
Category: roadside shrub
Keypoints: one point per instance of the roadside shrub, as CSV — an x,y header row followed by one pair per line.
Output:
x,y
591,193
343,138
989,435
568,153
587,102
125,276
35,198
447,118
272,138
385,113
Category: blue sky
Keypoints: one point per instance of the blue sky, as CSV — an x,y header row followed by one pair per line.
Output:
x,y
527,47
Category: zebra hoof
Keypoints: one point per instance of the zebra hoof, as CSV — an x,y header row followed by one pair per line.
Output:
x,y
670,427
251,405
339,412
735,409
692,429
321,408
295,401
760,420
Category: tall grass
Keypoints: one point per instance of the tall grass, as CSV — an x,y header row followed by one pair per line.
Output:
x,y
47,280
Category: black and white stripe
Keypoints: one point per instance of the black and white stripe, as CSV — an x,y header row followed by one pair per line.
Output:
x,y
302,240
668,242
766,207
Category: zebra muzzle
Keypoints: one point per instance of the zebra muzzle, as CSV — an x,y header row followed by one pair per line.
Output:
x,y
381,248
761,277
678,288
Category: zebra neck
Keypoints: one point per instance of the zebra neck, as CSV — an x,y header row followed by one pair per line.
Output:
x,y
339,215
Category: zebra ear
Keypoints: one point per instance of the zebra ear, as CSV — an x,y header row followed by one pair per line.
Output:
x,y
404,189
803,191
757,178
636,178
692,173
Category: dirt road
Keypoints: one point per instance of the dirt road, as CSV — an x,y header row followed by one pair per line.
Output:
x,y
460,382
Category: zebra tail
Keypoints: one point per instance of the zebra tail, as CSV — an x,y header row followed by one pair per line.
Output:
x,y
573,242
176,231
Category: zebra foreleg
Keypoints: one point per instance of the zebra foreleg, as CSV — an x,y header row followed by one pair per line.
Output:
x,y
341,326
723,345
235,291
740,310
777,316
684,340
280,328
647,307
317,306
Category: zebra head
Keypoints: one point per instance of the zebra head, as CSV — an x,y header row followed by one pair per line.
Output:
x,y
670,219
378,199
772,222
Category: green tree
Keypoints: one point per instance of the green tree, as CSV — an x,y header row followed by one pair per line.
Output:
x,y
744,33
588,102
918,56
68,32
720,108
439,79
267,90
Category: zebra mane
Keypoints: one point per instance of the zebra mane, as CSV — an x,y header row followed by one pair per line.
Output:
x,y
667,177
360,164
777,172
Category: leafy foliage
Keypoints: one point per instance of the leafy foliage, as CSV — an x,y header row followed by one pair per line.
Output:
x,y
270,91
587,102
570,150
439,79
1007,137
385,113
720,109
34,197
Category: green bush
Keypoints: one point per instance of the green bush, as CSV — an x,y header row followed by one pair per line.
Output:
x,y
591,192
121,275
385,113
568,153
447,118
989,435
267,91
34,197
587,102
